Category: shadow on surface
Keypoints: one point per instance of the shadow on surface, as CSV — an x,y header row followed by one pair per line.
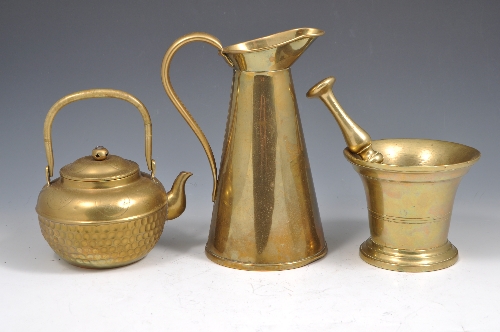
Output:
x,y
475,235
31,254
184,236
193,237
24,249
343,232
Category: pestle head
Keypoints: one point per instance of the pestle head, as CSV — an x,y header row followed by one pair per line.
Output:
x,y
357,139
321,87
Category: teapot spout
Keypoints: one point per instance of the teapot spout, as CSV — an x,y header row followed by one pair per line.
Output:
x,y
176,197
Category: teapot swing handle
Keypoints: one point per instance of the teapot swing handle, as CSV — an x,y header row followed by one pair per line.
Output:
x,y
96,93
165,77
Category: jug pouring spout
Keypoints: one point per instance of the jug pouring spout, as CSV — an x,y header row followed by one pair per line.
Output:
x,y
274,52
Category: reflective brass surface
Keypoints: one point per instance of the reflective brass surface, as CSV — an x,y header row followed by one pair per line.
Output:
x,y
100,153
176,197
103,212
410,199
265,214
357,139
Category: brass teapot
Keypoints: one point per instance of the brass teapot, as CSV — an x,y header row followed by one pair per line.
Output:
x,y
102,212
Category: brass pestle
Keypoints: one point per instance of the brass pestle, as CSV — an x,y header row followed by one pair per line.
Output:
x,y
357,139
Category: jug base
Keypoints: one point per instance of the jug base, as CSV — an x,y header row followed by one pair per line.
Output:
x,y
264,267
404,260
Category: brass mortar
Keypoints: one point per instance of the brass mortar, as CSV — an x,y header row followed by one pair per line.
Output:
x,y
410,186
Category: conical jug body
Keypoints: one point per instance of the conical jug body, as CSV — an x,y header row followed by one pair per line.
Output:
x,y
265,214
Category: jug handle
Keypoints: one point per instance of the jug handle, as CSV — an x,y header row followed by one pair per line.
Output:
x,y
96,93
165,77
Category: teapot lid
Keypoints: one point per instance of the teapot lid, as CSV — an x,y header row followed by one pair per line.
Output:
x,y
99,167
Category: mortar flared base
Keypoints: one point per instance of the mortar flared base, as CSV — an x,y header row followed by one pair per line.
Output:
x,y
405,260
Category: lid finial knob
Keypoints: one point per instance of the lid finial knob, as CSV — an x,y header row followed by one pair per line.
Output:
x,y
100,153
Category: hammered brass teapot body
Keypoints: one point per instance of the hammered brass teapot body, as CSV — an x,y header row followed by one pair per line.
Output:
x,y
265,214
102,211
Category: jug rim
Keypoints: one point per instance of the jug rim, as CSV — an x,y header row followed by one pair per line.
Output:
x,y
273,41
475,156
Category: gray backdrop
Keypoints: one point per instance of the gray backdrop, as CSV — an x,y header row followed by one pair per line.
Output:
x,y
428,69
403,68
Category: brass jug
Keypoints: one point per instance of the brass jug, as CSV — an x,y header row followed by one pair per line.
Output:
x,y
265,214
410,186
103,212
